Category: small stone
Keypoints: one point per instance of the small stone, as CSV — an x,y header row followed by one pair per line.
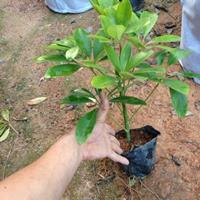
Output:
x,y
197,105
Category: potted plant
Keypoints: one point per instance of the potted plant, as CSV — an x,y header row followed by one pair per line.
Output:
x,y
124,41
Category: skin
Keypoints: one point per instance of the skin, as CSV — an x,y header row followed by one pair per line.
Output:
x,y
48,177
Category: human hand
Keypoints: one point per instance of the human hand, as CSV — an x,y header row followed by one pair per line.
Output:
x,y
102,143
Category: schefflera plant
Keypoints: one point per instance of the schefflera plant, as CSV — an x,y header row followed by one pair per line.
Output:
x,y
124,41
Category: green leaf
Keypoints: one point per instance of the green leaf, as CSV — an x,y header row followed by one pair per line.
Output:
x,y
160,57
101,82
134,24
105,3
5,135
138,59
79,96
191,75
172,59
136,42
179,102
128,100
116,31
147,22
57,47
85,126
166,38
125,56
72,53
176,52
51,58
61,70
150,70
75,100
177,85
98,48
124,12
92,65
113,57
83,41
6,115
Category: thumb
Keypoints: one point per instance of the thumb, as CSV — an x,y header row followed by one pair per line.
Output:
x,y
104,108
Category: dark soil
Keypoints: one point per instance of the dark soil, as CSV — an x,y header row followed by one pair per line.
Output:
x,y
138,138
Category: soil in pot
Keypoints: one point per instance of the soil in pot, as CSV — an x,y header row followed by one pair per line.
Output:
x,y
140,151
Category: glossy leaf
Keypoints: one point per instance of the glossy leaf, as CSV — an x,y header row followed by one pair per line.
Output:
x,y
61,70
147,22
51,58
105,3
177,85
128,100
160,57
101,82
125,56
58,47
91,65
138,59
134,24
83,41
113,57
166,38
85,126
150,70
5,115
179,102
5,135
124,12
116,31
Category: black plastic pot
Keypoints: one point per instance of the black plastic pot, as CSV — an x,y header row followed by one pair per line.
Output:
x,y
142,158
137,4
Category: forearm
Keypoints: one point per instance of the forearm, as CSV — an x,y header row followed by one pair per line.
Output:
x,y
48,177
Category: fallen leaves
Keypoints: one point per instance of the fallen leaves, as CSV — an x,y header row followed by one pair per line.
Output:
x,y
36,101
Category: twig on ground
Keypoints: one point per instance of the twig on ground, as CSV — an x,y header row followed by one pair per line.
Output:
x,y
151,191
131,190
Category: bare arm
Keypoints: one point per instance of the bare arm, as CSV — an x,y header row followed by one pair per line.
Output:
x,y
48,177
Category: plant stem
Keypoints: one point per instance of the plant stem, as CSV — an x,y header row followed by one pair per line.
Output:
x,y
126,122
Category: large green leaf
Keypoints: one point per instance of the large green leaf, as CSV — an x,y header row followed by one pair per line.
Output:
x,y
125,56
51,58
5,135
138,59
179,102
85,126
113,57
147,22
128,100
177,85
124,12
83,41
79,96
166,38
3,127
61,70
101,82
116,31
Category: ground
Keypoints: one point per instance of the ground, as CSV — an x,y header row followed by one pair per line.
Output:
x,y
25,28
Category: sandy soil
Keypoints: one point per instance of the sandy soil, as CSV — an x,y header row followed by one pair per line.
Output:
x,y
25,28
